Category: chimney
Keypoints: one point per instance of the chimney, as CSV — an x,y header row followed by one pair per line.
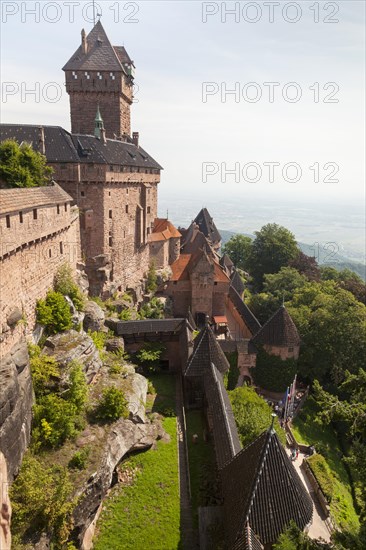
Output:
x,y
41,142
135,138
102,136
84,43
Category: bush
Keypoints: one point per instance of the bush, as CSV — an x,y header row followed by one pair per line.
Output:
x,y
54,313
112,406
149,356
152,279
41,500
21,166
78,389
323,474
43,369
79,460
125,315
99,338
152,310
64,284
55,421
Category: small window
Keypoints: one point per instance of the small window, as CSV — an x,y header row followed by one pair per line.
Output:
x,y
58,209
65,206
215,283
148,209
126,208
61,248
127,191
111,168
109,193
110,240
8,221
21,217
50,253
110,214
35,214
82,193
124,234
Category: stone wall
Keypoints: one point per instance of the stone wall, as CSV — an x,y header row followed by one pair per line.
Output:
x,y
32,251
283,352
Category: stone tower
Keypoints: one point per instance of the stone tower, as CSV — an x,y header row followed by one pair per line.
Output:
x,y
100,75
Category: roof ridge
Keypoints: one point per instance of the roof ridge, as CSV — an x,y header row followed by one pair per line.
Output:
x,y
226,420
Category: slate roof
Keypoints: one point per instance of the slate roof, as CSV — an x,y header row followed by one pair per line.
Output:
x,y
206,351
279,330
251,541
14,200
101,55
248,317
226,262
262,487
237,282
225,433
61,146
207,226
194,240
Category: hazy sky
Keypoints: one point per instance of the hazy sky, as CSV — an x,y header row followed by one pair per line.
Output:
x,y
311,52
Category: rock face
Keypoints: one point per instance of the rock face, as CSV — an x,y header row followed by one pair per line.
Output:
x,y
5,507
74,346
115,345
94,317
135,395
77,316
16,400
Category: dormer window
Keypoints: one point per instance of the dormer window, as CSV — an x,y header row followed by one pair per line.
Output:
x,y
74,75
112,75
99,75
87,75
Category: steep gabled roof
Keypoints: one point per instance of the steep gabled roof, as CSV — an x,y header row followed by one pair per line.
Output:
x,y
248,317
207,226
237,282
186,264
100,55
225,432
206,351
163,230
262,487
226,262
279,330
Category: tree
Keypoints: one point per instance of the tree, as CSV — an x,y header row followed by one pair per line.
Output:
x,y
306,265
294,539
347,279
152,280
239,248
113,405
332,325
273,247
54,313
252,415
21,166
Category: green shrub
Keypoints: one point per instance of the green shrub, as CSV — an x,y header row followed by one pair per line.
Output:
x,y
149,356
54,313
150,388
112,406
323,474
65,284
41,500
152,310
99,338
79,460
78,389
98,301
21,166
43,369
55,421
125,315
151,283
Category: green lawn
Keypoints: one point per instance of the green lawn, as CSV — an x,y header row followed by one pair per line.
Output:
x,y
201,464
307,431
145,514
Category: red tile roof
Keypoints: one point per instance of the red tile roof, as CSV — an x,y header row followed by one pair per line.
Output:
x,y
163,230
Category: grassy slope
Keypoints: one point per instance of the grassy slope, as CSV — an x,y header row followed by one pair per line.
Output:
x,y
307,431
146,514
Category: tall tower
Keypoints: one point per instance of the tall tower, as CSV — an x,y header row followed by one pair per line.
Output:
x,y
99,74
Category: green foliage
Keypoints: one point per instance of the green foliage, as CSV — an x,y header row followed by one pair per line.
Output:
x,y
323,474
41,500
43,369
151,283
239,250
152,310
79,460
77,393
149,356
98,301
55,421
54,313
273,373
233,373
99,338
125,315
21,166
64,284
252,415
273,247
294,539
112,406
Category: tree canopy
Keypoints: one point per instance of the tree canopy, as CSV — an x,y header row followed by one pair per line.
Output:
x,y
239,249
21,166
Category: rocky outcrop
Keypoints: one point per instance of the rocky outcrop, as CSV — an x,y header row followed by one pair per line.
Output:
x,y
77,316
115,345
5,507
16,400
74,346
135,394
94,317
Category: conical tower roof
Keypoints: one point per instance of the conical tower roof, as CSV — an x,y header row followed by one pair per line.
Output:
x,y
279,330
206,351
100,54
261,487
